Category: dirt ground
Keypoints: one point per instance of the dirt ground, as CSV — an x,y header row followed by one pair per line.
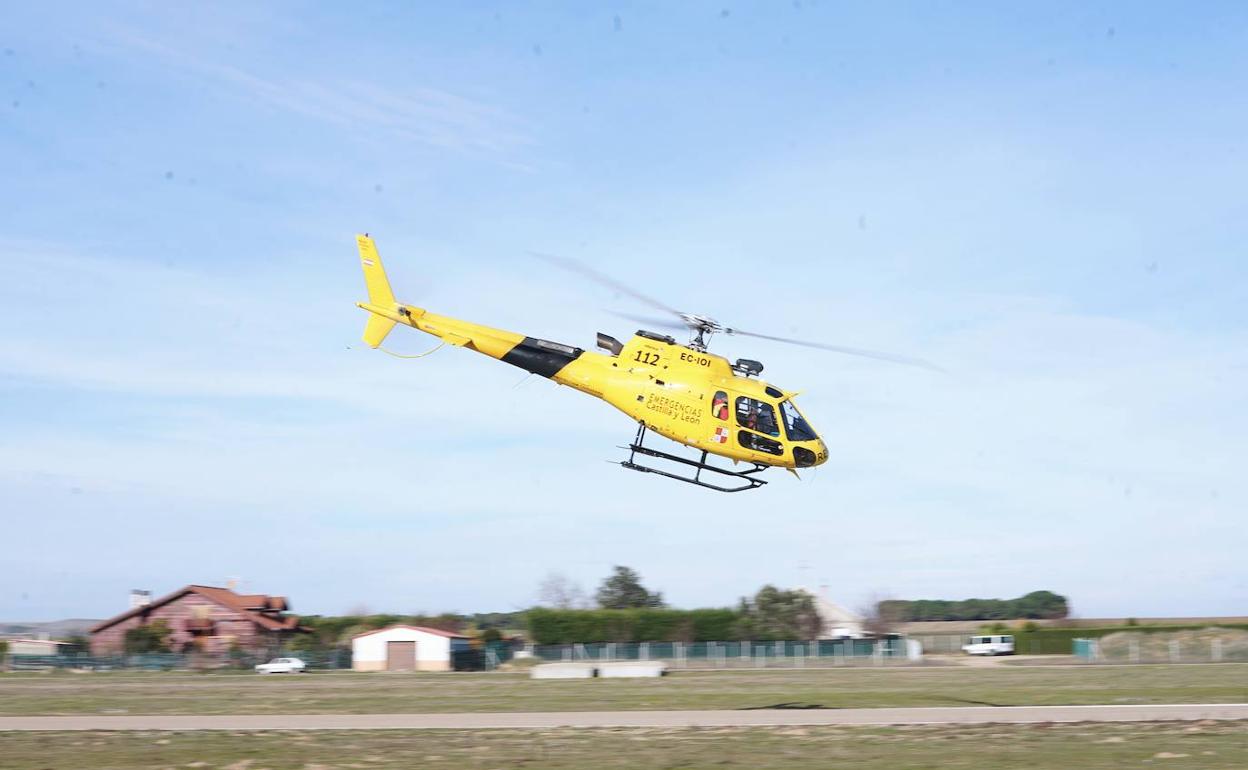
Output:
x,y
1213,746
382,693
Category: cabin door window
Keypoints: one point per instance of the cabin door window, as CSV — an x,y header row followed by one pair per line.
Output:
x,y
758,417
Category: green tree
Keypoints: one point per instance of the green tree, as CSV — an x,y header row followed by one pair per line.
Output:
x,y
622,590
881,616
1042,604
491,635
153,637
774,614
77,645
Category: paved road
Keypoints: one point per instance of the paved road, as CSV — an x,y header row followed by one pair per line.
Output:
x,y
544,720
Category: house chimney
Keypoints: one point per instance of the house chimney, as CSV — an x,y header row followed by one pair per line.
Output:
x,y
139,598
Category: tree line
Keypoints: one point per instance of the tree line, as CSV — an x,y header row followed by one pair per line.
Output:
x,y
1035,605
623,609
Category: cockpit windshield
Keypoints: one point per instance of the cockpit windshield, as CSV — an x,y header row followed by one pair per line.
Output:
x,y
794,424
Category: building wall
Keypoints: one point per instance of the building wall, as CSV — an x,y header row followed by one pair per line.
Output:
x,y
421,665
33,647
433,652
182,615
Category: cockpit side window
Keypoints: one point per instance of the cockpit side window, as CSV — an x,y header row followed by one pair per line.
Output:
x,y
757,415
719,405
794,424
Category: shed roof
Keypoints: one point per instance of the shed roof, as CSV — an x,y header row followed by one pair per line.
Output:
x,y
425,629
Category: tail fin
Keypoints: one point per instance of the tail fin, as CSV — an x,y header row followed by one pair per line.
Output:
x,y
379,293
375,279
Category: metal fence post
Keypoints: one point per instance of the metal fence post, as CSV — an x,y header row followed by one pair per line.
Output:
x,y
679,649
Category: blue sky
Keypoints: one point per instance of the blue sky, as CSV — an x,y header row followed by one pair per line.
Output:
x,y
1048,200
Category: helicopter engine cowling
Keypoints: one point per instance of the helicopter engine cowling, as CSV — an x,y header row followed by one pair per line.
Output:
x,y
748,366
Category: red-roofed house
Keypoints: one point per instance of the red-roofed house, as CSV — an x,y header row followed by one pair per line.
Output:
x,y
205,619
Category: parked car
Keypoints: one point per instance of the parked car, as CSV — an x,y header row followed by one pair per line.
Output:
x,y
282,666
990,645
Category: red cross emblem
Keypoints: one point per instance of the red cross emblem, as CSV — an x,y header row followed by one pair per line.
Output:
x,y
721,436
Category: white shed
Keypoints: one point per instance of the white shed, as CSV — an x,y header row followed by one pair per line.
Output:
x,y
35,647
405,648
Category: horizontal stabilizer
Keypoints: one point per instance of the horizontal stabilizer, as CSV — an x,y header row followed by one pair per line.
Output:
x,y
376,329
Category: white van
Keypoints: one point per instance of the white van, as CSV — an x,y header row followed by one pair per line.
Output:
x,y
990,645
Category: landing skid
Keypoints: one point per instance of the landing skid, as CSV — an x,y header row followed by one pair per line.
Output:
x,y
637,448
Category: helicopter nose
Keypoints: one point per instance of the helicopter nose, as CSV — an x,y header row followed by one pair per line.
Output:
x,y
812,453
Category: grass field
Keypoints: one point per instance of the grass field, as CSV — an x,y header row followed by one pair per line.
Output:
x,y
1202,745
352,693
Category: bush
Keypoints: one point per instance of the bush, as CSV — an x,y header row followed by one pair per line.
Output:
x,y
550,626
153,637
773,615
491,635
1061,641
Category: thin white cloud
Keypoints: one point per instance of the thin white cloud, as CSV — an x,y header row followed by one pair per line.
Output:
x,y
421,113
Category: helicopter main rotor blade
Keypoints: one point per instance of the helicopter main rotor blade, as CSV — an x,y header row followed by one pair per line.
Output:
x,y
653,322
876,354
706,325
573,266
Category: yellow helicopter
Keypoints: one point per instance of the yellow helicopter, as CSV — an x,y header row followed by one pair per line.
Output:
x,y
682,392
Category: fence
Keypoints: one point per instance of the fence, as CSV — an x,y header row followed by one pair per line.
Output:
x,y
327,660
1152,643
1140,648
1025,643
738,654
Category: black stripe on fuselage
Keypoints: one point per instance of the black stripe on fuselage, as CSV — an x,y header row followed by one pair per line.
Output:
x,y
541,357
